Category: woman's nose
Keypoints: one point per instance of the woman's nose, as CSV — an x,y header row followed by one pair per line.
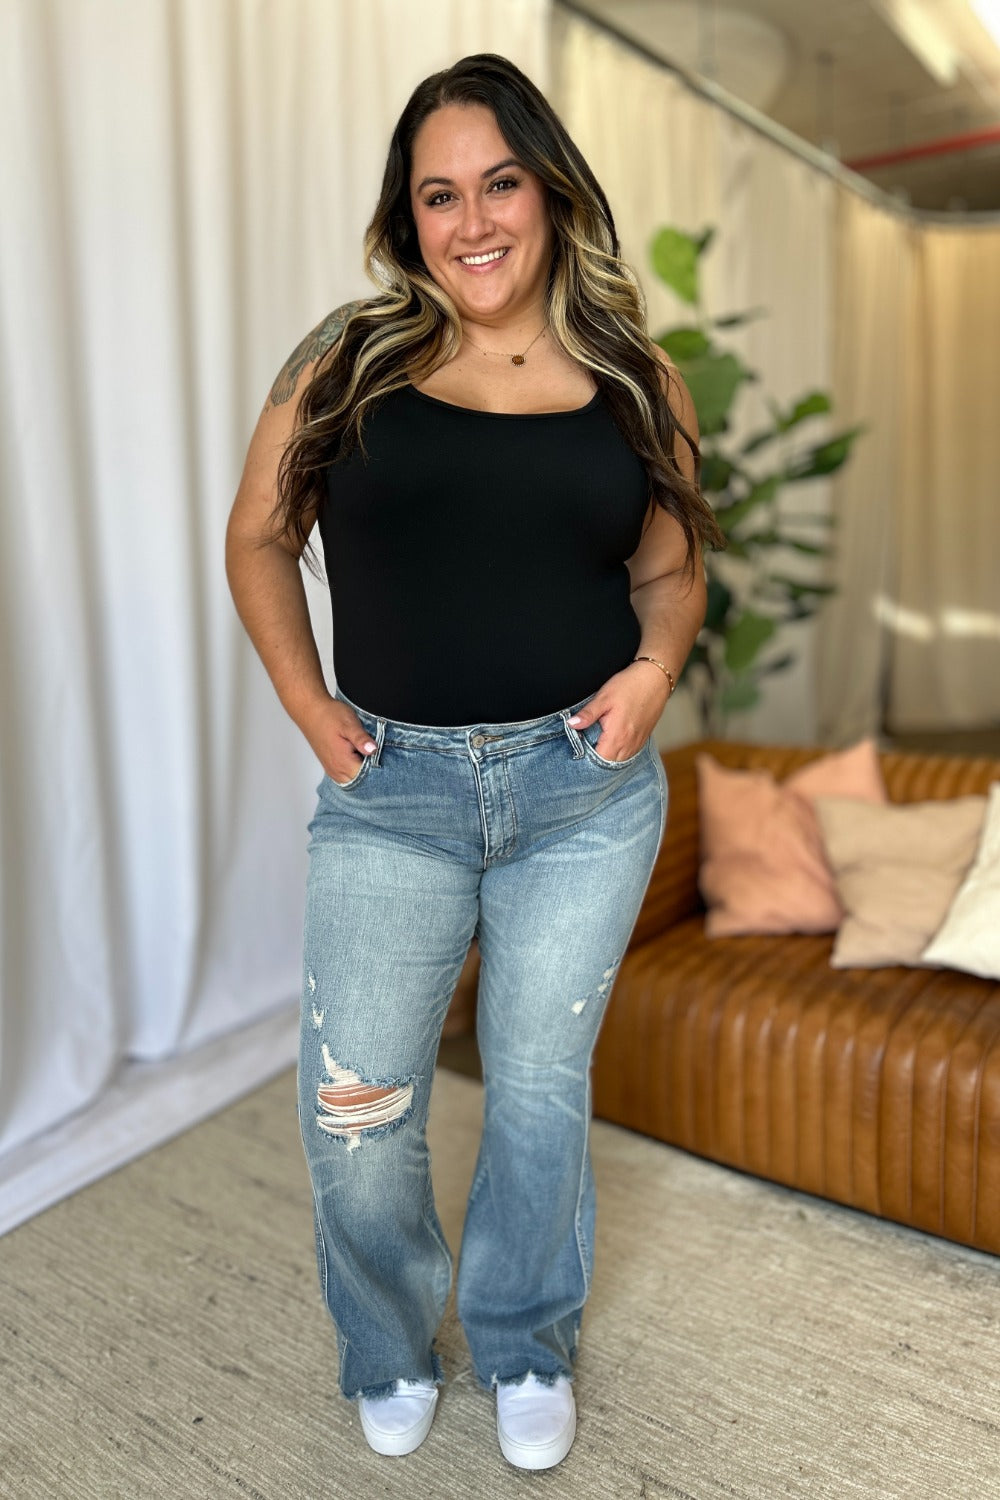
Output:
x,y
476,219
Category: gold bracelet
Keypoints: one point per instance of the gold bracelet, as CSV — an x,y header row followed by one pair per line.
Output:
x,y
666,670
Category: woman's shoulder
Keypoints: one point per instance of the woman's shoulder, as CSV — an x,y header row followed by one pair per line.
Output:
x,y
311,349
667,365
674,388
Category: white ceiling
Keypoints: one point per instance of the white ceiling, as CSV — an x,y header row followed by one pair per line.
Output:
x,y
855,78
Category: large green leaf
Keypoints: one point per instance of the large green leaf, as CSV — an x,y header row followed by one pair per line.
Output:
x,y
713,380
778,664
824,458
716,472
719,600
745,638
675,261
739,695
797,590
730,516
758,439
683,343
807,406
810,549
773,538
737,320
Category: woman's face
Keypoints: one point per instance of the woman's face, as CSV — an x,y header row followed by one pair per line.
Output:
x,y
470,197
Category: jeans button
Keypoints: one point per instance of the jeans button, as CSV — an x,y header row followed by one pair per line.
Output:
x,y
478,739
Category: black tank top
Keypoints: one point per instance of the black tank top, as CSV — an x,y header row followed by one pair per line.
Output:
x,y
476,561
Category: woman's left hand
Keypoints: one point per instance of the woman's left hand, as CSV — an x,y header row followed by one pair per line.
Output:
x,y
628,705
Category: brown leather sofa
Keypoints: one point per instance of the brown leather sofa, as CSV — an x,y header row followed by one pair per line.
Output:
x,y
877,1088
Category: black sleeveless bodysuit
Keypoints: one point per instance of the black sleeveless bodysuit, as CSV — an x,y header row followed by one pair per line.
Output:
x,y
476,561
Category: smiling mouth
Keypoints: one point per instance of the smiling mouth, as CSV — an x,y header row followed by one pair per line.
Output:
x,y
486,259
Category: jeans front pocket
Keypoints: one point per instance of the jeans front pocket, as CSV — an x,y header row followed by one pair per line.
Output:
x,y
346,786
588,737
375,727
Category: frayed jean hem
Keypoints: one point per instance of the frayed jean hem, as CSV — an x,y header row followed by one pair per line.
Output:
x,y
544,1377
387,1388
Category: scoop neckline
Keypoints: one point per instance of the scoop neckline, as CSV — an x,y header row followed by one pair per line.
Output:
x,y
572,411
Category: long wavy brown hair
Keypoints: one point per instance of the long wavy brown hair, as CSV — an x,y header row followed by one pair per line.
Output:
x,y
595,310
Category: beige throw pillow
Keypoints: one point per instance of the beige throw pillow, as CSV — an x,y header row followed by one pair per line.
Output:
x,y
762,863
970,936
897,869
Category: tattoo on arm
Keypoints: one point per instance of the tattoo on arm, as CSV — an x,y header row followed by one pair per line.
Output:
x,y
312,347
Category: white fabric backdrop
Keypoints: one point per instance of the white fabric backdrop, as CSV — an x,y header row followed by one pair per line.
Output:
x,y
186,185
943,666
872,345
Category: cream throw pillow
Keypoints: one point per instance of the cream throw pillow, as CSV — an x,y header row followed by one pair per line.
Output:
x,y
762,863
970,937
897,869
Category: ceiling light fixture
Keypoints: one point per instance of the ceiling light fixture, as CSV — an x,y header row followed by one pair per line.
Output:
x,y
951,38
988,12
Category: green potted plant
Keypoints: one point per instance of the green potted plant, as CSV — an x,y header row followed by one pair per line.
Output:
x,y
752,587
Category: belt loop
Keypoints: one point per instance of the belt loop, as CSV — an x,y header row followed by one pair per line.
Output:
x,y
376,754
571,734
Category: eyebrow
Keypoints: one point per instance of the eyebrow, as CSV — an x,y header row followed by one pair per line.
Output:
x,y
511,161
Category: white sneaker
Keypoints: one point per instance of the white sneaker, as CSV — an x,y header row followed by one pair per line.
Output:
x,y
536,1423
399,1423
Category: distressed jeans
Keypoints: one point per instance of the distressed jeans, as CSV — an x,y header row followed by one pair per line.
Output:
x,y
521,834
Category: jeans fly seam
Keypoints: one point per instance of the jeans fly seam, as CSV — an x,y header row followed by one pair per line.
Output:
x,y
482,813
511,803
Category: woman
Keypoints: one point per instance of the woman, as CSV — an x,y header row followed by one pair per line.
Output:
x,y
504,471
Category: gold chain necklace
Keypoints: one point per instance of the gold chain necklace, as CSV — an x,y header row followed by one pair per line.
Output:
x,y
515,359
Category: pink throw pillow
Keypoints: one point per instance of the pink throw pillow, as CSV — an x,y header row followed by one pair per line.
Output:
x,y
763,866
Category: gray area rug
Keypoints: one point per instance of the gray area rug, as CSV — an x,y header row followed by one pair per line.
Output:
x,y
163,1336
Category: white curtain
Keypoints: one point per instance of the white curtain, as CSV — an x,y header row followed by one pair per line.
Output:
x,y
877,252
911,641
943,608
186,183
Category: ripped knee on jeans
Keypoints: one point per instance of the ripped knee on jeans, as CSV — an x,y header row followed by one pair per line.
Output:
x,y
349,1107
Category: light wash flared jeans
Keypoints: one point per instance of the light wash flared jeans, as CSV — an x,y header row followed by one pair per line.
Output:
x,y
521,834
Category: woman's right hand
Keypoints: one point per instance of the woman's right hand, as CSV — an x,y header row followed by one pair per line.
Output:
x,y
338,738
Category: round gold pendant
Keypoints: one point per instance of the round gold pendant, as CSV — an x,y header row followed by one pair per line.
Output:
x,y
517,359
